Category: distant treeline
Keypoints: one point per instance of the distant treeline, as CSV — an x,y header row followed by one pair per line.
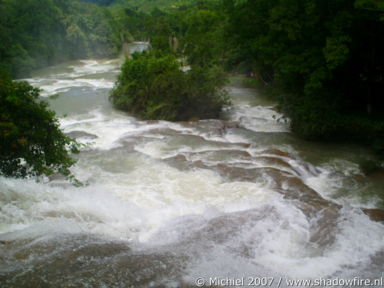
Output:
x,y
100,2
37,33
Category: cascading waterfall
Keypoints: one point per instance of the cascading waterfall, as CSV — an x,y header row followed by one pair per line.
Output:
x,y
166,203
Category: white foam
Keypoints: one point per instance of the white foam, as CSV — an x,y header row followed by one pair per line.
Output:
x,y
226,228
259,118
130,205
79,76
109,129
336,176
248,226
95,66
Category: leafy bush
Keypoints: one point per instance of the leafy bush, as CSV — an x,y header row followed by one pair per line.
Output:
x,y
319,54
153,86
31,142
319,118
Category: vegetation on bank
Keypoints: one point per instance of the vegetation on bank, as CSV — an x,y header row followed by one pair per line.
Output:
x,y
31,142
143,5
325,57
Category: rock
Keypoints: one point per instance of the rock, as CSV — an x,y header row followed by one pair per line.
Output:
x,y
323,231
233,124
153,121
374,214
276,152
277,162
57,176
81,134
377,175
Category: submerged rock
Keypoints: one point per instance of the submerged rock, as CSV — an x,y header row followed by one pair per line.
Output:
x,y
374,214
81,134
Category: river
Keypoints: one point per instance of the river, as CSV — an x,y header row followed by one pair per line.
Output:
x,y
166,203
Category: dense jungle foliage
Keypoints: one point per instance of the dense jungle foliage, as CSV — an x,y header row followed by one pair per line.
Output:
x,y
154,86
31,142
323,58
38,33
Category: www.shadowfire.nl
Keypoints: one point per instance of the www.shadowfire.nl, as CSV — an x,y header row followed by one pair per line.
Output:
x,y
319,282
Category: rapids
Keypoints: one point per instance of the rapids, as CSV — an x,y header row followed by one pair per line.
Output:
x,y
166,203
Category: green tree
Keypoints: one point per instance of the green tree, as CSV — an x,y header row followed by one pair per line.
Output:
x,y
202,38
31,142
37,33
325,56
153,86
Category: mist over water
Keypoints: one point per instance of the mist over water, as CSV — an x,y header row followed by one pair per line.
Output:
x,y
167,203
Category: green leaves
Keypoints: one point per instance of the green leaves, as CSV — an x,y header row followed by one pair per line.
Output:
x,y
31,142
153,86
373,5
326,56
37,33
336,51
202,39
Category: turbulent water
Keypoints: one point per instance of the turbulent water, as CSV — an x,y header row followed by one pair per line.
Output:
x,y
166,203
